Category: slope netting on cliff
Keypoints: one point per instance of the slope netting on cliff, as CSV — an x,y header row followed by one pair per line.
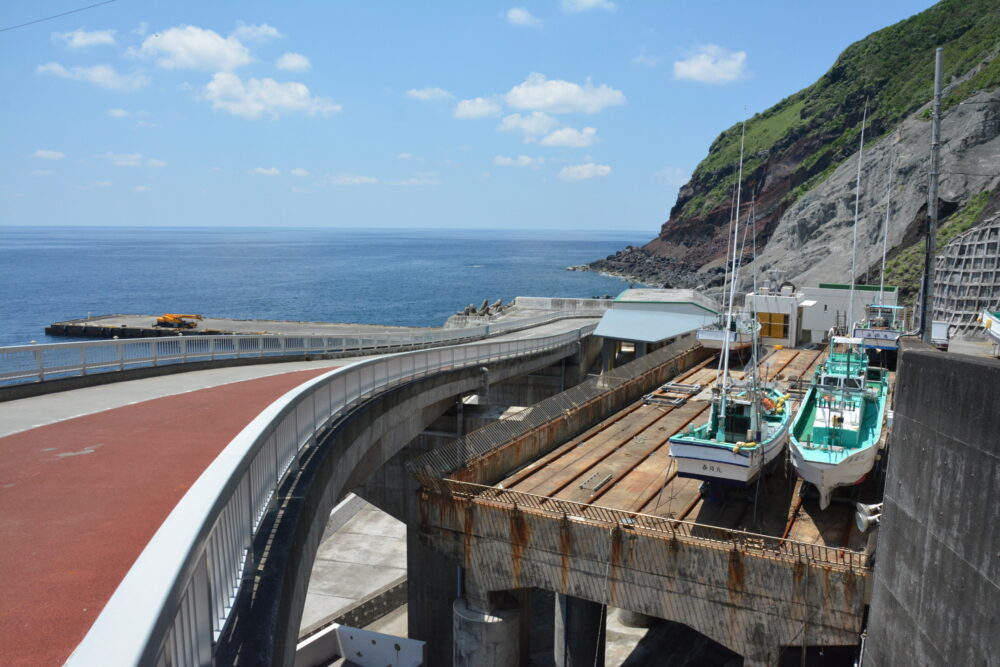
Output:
x,y
438,464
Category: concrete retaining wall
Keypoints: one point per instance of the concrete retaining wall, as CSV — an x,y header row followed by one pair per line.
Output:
x,y
936,592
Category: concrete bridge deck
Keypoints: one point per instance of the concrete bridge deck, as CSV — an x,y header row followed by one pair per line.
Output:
x,y
87,477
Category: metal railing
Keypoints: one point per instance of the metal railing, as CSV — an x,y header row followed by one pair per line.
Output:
x,y
176,599
37,363
755,544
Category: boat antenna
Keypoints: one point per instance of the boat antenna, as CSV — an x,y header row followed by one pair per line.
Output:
x,y
885,231
857,204
732,282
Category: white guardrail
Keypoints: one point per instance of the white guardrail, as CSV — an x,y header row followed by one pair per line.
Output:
x,y
174,602
37,363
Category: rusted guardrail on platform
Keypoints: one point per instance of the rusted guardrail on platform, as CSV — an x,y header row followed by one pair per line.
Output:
x,y
472,452
753,544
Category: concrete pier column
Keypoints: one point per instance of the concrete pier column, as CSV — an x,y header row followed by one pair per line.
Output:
x,y
581,632
484,638
609,349
432,587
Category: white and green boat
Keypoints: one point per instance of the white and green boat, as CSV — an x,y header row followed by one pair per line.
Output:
x,y
747,428
835,433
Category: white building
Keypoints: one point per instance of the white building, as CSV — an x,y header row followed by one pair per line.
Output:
x,y
833,307
649,318
780,312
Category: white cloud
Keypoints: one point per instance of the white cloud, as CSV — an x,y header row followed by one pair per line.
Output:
x,y
426,94
103,184
519,161
141,188
478,107
141,29
118,113
299,171
674,176
293,62
48,155
571,138
79,39
521,16
260,97
255,33
712,64
269,171
558,96
125,159
647,60
99,75
133,160
583,172
534,124
419,179
350,179
587,5
190,47
405,156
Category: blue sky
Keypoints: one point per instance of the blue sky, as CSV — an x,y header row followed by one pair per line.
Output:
x,y
568,114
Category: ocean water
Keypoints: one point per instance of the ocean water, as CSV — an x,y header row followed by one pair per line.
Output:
x,y
396,277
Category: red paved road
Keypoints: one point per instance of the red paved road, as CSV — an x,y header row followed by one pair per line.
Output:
x,y
80,499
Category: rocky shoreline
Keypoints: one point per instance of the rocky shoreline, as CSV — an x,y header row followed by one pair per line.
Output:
x,y
638,265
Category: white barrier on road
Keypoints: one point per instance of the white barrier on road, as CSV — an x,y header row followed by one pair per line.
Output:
x,y
37,363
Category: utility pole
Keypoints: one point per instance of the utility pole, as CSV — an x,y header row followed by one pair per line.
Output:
x,y
927,300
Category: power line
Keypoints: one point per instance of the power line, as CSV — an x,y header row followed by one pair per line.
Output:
x,y
55,16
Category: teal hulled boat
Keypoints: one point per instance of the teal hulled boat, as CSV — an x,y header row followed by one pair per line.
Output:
x,y
835,432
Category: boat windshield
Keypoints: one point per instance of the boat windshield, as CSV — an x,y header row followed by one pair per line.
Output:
x,y
883,317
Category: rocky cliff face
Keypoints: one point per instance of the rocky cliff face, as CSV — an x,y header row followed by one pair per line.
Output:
x,y
812,240
800,163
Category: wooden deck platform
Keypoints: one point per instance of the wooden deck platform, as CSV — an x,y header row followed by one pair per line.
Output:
x,y
624,463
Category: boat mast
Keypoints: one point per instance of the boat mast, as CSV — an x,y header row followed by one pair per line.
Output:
x,y
857,204
885,233
754,384
732,290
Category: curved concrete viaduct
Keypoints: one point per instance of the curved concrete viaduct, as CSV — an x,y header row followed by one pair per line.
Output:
x,y
325,465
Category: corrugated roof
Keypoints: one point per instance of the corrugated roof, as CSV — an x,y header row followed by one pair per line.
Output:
x,y
669,296
649,325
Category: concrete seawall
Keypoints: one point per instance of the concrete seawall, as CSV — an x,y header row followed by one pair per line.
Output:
x,y
937,574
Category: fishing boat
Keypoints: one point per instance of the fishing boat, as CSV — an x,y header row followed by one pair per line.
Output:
x,y
746,430
748,421
881,327
838,425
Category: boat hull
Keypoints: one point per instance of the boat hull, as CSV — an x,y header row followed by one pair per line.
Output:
x,y
827,476
719,464
840,470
